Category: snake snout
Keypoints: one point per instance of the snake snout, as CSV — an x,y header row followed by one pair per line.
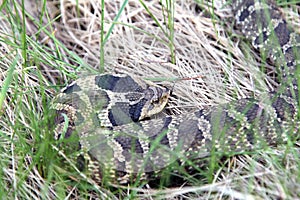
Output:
x,y
156,99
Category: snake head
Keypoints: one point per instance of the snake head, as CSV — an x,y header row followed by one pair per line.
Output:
x,y
154,100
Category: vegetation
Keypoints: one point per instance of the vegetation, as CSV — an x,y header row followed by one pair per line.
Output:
x,y
47,44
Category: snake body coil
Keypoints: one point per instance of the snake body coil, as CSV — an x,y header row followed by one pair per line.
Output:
x,y
109,112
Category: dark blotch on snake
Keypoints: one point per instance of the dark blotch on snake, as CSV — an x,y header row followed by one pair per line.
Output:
x,y
72,88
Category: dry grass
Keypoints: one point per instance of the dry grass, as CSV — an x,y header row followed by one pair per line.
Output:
x,y
65,44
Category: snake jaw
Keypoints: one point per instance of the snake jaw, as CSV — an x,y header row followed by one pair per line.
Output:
x,y
157,98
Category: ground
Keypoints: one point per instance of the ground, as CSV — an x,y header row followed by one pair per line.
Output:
x,y
190,46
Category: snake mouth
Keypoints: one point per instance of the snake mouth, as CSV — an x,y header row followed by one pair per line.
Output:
x,y
156,103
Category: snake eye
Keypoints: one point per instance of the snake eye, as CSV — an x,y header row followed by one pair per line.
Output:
x,y
155,101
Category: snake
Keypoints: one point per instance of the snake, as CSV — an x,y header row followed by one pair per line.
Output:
x,y
116,116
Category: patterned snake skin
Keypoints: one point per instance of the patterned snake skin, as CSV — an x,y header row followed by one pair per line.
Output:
x,y
110,112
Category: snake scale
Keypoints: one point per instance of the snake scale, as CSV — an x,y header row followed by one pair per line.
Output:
x,y
109,112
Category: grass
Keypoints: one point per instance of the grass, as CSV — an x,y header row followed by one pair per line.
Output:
x,y
41,53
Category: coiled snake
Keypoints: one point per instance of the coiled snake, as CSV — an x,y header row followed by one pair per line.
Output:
x,y
108,112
